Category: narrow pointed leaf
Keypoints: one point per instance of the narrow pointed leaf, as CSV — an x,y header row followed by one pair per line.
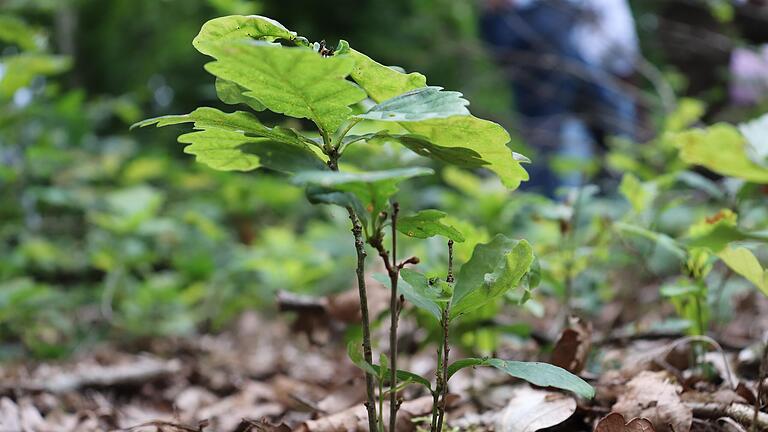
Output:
x,y
420,104
493,269
426,223
536,373
297,82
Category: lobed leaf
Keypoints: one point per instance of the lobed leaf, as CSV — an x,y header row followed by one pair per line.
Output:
x,y
488,139
426,223
382,82
493,269
221,138
296,82
239,27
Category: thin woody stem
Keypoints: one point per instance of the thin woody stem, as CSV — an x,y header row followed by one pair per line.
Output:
x,y
394,305
445,322
357,232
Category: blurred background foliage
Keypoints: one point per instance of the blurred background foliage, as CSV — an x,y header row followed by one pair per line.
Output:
x,y
111,234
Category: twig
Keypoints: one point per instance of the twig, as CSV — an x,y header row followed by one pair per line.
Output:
x,y
445,322
760,385
394,314
742,413
710,341
357,231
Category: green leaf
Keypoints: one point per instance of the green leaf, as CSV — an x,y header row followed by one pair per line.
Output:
x,y
15,31
356,355
322,195
420,104
755,133
458,156
372,188
493,269
221,139
19,70
403,377
238,27
660,240
639,194
297,82
486,138
716,232
742,261
722,149
426,223
233,94
415,287
381,82
536,373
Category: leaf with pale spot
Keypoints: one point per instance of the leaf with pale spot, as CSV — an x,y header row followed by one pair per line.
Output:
x,y
494,268
427,223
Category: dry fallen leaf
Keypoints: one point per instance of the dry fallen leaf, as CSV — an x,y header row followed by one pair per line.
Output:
x,y
654,396
530,410
614,422
355,419
572,348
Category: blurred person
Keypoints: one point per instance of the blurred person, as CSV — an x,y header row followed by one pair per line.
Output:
x,y
565,59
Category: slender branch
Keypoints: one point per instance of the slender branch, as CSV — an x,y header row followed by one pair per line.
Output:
x,y
446,350
760,386
357,232
394,314
445,322
438,387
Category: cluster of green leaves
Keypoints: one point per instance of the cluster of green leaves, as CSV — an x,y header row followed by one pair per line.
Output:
x,y
260,64
712,230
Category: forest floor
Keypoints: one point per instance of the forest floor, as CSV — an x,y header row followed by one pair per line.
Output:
x,y
278,374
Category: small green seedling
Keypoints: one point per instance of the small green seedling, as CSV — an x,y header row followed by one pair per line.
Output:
x,y
260,65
